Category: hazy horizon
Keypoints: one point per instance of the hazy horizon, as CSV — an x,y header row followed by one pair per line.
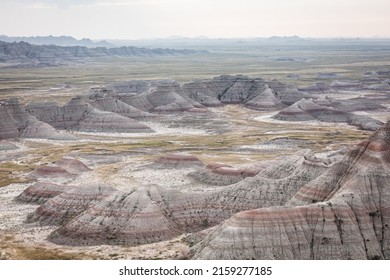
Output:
x,y
200,37
231,19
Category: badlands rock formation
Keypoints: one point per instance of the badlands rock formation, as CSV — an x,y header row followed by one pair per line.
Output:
x,y
177,161
79,115
308,110
216,174
66,167
40,192
15,122
254,93
159,96
170,96
121,107
68,204
141,215
102,99
343,214
167,96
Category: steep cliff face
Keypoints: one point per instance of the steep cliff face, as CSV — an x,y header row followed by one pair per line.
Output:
x,y
343,214
16,122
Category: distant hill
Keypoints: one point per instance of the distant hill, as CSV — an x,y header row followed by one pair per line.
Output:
x,y
51,55
64,41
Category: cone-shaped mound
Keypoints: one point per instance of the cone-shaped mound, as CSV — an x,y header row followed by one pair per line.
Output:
x,y
68,204
40,192
66,167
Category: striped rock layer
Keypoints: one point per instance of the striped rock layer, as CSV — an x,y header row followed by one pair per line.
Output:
x,y
79,115
41,192
221,174
68,204
150,214
165,96
177,161
309,110
16,122
66,167
342,214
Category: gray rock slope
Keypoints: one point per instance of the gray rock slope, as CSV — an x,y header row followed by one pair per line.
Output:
x,y
140,215
16,122
170,96
309,110
342,214
79,115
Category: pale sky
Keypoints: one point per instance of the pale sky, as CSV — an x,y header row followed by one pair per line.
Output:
x,y
134,19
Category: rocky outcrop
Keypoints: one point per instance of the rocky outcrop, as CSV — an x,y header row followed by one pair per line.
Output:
x,y
343,214
309,110
178,160
254,93
15,122
79,115
40,192
266,99
68,204
72,165
66,167
101,98
216,174
160,96
133,217
102,109
50,171
169,96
